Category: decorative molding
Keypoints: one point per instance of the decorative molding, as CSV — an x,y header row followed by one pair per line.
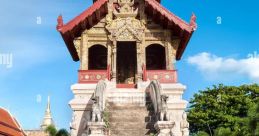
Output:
x,y
163,76
126,29
91,76
126,9
77,44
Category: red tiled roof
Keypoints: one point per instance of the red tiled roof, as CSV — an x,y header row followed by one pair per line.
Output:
x,y
183,28
156,0
99,9
8,125
82,17
169,15
76,26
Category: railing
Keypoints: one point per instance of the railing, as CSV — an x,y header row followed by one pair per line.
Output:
x,y
154,90
94,76
159,101
163,76
98,100
99,93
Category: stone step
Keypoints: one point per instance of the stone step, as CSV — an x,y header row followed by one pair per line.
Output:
x,y
129,132
126,96
132,125
130,119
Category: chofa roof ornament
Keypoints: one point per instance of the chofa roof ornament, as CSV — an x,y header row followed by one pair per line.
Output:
x,y
60,22
193,23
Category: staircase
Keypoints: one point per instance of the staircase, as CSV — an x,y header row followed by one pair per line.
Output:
x,y
130,119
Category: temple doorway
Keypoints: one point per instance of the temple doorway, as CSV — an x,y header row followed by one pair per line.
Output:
x,y
126,62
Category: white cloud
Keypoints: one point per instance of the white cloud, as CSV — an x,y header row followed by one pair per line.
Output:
x,y
222,68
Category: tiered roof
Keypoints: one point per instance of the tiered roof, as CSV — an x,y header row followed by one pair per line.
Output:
x,y
99,9
9,125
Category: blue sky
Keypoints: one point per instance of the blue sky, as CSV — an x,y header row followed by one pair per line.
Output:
x,y
42,66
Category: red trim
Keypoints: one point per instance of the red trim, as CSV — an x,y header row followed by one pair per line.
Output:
x,y
163,76
156,0
8,124
126,85
91,76
172,18
183,29
144,72
83,17
99,9
109,72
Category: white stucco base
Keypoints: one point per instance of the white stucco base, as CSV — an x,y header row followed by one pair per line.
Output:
x,y
81,103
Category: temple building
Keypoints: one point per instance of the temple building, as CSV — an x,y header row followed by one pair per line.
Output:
x,y
9,126
47,121
127,80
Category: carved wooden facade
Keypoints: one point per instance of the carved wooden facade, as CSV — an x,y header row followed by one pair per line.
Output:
x,y
137,39
108,22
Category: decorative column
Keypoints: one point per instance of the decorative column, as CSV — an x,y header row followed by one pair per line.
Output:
x,y
114,62
174,47
169,53
139,62
84,52
109,56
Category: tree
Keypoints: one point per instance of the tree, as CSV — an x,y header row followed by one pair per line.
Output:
x,y
62,132
253,119
221,107
52,131
202,133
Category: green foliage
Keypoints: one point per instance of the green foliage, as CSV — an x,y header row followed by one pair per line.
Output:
x,y
52,131
226,107
152,134
223,132
62,132
106,117
202,133
253,119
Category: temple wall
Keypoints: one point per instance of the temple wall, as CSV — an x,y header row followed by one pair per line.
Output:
x,y
98,35
153,34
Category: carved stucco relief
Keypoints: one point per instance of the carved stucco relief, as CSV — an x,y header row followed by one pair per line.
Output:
x,y
126,29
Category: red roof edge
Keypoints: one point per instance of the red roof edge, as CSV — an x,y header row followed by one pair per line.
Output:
x,y
170,16
187,28
88,12
156,0
74,27
9,125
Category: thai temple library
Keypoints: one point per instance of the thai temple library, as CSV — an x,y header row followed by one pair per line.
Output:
x,y
127,51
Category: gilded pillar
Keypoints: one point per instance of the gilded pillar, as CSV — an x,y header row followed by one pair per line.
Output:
x,y
114,62
84,52
175,44
169,53
109,55
139,61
